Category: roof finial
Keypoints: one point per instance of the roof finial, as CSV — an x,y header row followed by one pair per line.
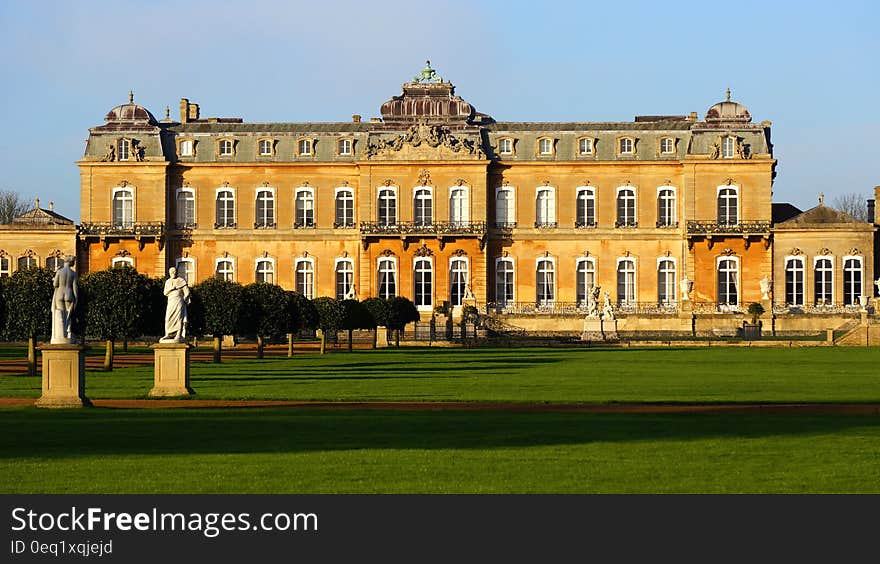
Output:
x,y
167,112
427,75
821,198
37,202
728,94
131,96
51,205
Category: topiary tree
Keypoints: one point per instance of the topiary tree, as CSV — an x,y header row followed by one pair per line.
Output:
x,y
380,312
403,311
217,310
330,316
28,298
266,313
302,315
117,305
355,316
756,310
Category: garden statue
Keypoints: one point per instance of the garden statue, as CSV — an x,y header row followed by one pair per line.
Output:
x,y
607,310
177,291
63,302
686,285
766,287
877,283
593,301
351,294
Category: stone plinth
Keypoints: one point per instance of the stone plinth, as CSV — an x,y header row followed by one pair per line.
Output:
x,y
64,376
171,370
592,329
609,329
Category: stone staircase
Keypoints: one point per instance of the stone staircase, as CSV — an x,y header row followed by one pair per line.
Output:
x,y
863,332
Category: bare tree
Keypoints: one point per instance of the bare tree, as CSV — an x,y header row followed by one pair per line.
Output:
x,y
12,204
855,205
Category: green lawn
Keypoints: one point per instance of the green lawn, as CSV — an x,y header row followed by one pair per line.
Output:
x,y
704,375
322,451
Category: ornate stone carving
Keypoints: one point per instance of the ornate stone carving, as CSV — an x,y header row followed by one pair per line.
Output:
x,y
110,154
766,286
855,251
459,253
424,251
432,136
728,252
387,253
796,252
424,177
123,253
825,251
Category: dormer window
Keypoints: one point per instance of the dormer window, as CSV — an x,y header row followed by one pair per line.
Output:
x,y
545,147
585,146
667,146
728,147
344,147
123,149
626,146
266,147
305,147
505,146
225,148
186,148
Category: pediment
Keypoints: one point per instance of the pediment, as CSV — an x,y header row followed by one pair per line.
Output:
x,y
423,142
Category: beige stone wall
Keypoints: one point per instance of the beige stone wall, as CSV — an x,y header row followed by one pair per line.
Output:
x,y
38,243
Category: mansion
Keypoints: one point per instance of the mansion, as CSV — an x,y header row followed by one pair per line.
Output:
x,y
672,215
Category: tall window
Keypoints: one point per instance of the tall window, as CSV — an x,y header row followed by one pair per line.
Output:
x,y
728,281
225,209
423,283
504,281
824,277
585,212
265,271
344,279
666,207
387,206
265,147
423,207
4,266
225,270
545,215
344,147
186,208
387,278
123,207
728,147
727,205
586,279
123,149
626,207
458,280
305,277
852,281
626,282
186,269
27,262
545,282
504,208
265,209
505,146
305,208
344,208
54,263
794,281
458,205
666,282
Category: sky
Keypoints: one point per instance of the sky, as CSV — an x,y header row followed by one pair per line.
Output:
x,y
810,68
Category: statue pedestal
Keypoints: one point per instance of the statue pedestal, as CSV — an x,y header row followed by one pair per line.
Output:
x,y
64,376
686,308
609,329
592,329
171,370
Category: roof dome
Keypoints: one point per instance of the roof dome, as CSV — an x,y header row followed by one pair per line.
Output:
x,y
130,112
728,111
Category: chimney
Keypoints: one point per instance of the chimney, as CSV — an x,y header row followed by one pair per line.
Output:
x,y
876,216
871,214
356,118
188,112
692,116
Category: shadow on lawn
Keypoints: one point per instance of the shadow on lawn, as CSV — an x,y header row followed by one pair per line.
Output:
x,y
29,432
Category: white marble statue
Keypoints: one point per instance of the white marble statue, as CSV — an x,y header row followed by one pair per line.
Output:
x,y
766,286
177,291
351,294
607,309
686,286
877,283
63,303
593,301
468,293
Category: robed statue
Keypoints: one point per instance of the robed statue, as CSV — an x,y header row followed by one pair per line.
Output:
x,y
177,291
63,303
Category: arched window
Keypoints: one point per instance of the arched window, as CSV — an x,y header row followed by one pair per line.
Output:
x,y
626,282
823,274
343,147
666,282
265,271
387,209
304,274
545,282
344,208
225,269
626,207
852,281
423,287
728,282
186,208
344,279
27,262
266,148
505,146
305,208
626,146
123,207
305,147
504,292
458,280
728,204
586,279
4,266
545,146
225,209
545,208
186,269
666,207
265,209
423,206
585,212
387,278
794,281
505,211
458,205
225,148
54,263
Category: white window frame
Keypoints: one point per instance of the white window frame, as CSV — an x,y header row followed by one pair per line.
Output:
x,y
671,141
728,147
187,147
803,272
464,210
625,299
271,262
861,270
553,287
303,222
222,144
265,224
718,260
177,194
502,300
7,271
131,191
735,189
673,220
191,261
234,222
345,147
510,149
429,306
336,272
592,146
415,203
309,143
589,194
271,144
626,221
451,279
590,266
33,262
829,258
307,287
115,261
336,199
664,300
222,260
631,149
394,270
550,149
550,219
123,149
510,219
394,194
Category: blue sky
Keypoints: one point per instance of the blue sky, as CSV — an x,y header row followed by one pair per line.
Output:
x,y
810,68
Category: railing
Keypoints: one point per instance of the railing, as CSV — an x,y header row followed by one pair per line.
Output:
x,y
344,225
718,307
264,225
816,309
721,228
185,225
576,308
304,225
546,225
148,229
626,223
667,225
505,225
231,225
585,224
413,228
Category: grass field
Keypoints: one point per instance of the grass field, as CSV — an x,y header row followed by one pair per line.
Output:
x,y
321,451
706,375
